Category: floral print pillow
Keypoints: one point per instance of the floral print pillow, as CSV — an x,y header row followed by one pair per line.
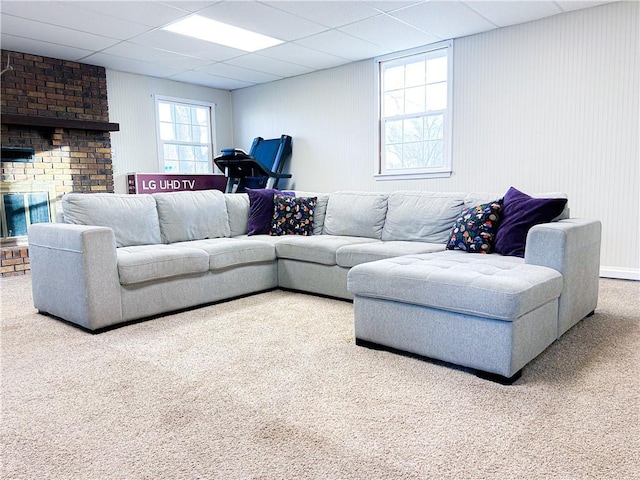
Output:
x,y
293,215
474,231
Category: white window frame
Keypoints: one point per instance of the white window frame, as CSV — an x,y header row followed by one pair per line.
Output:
x,y
380,172
212,125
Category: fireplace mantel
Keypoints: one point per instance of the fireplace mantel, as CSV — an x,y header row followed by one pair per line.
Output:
x,y
57,122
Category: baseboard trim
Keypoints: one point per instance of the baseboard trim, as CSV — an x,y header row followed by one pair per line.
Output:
x,y
620,273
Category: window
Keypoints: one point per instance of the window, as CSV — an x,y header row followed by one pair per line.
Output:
x,y
185,135
414,108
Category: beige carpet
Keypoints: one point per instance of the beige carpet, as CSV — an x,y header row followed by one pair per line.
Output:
x,y
272,386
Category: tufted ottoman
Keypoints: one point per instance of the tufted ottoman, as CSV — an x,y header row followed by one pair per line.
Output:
x,y
490,313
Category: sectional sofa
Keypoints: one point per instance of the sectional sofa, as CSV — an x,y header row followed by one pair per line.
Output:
x,y
119,258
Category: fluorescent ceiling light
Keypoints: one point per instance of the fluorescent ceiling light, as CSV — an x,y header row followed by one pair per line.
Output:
x,y
210,30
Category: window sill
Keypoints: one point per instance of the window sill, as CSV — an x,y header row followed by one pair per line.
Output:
x,y
410,176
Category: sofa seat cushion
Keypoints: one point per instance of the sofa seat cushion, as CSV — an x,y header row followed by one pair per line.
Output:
x,y
272,239
352,255
144,263
232,252
490,286
316,248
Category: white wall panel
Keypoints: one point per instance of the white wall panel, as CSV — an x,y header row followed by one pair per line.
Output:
x,y
131,104
329,116
550,105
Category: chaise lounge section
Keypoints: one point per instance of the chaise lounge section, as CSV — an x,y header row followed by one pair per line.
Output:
x,y
491,315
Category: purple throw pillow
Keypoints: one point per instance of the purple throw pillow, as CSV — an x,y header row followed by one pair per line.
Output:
x,y
520,213
261,209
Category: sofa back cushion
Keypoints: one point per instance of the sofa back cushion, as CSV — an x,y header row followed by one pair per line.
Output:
x,y
192,215
133,218
421,216
356,214
238,212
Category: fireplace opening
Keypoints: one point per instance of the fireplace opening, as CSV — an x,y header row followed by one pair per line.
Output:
x,y
17,154
21,205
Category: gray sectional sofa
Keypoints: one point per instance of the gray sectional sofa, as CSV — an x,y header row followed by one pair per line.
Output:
x,y
119,258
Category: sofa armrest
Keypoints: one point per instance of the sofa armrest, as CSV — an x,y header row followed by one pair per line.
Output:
x,y
572,247
74,273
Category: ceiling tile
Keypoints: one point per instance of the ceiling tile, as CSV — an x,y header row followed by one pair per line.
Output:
x,y
330,13
263,19
569,5
36,47
201,78
518,12
260,63
157,56
65,14
238,73
444,19
189,5
174,42
389,32
303,56
155,15
44,32
343,45
391,5
130,65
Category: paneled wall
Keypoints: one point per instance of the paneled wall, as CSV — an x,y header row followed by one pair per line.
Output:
x,y
131,103
551,105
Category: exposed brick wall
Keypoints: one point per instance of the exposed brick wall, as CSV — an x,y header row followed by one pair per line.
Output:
x,y
14,261
73,160
50,87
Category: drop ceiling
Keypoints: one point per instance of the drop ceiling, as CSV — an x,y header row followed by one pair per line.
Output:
x,y
128,35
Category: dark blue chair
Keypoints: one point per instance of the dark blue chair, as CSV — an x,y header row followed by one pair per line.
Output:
x,y
261,168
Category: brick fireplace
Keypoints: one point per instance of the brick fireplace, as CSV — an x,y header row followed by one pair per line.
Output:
x,y
55,139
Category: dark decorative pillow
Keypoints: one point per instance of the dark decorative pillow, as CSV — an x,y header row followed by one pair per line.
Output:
x,y
520,213
261,209
293,215
475,229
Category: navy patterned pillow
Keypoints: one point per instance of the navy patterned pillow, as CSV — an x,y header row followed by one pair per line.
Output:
x,y
474,231
293,215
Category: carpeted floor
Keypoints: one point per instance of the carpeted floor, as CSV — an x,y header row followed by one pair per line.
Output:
x,y
273,387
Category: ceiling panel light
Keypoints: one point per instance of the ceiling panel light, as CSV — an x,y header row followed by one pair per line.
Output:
x,y
210,30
